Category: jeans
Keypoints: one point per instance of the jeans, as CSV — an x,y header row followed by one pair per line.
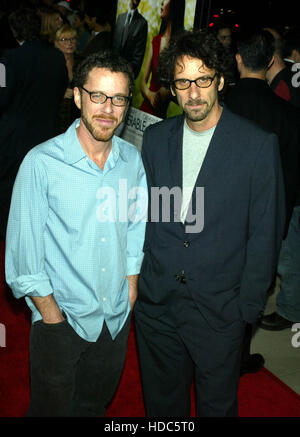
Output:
x,y
288,299
71,377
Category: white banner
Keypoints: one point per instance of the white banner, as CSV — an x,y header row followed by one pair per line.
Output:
x,y
135,125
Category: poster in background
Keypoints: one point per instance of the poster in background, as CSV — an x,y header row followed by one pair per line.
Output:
x,y
151,10
135,124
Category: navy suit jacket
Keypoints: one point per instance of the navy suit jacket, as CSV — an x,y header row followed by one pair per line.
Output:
x,y
230,264
37,79
133,49
253,99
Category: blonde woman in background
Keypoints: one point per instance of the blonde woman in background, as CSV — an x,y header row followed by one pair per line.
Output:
x,y
66,41
51,22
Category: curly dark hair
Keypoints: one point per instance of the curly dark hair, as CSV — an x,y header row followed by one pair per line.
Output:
x,y
106,59
200,44
25,24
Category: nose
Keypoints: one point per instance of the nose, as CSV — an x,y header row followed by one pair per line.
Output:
x,y
108,106
194,91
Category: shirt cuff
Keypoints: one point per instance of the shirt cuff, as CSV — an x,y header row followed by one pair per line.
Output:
x,y
31,285
134,265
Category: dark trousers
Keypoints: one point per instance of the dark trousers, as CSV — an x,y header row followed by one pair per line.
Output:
x,y
179,346
71,376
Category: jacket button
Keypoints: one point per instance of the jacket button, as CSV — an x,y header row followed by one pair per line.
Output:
x,y
186,244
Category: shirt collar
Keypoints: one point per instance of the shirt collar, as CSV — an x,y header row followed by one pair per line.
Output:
x,y
131,12
73,151
117,149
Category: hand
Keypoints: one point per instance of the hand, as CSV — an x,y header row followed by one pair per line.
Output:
x,y
48,309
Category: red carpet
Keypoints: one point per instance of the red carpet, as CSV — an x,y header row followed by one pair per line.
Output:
x,y
260,395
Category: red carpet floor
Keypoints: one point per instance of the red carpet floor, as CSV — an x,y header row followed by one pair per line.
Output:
x,y
260,395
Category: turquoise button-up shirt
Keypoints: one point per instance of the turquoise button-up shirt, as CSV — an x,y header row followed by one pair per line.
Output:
x,y
77,231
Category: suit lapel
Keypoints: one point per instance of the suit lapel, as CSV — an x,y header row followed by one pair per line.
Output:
x,y
214,159
175,152
129,28
216,153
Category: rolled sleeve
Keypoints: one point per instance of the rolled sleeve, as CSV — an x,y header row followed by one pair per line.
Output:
x,y
24,257
31,285
134,265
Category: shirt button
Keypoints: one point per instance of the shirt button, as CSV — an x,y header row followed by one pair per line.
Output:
x,y
186,244
102,239
104,299
103,269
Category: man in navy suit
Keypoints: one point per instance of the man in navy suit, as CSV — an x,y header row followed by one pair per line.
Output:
x,y
36,80
212,239
130,36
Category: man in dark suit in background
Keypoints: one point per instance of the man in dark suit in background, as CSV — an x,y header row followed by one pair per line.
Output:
x,y
209,261
253,98
36,80
97,19
280,74
291,48
130,36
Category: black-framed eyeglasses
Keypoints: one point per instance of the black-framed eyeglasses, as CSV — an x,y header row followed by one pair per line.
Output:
x,y
201,82
72,40
99,97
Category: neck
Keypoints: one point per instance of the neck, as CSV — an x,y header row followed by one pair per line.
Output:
x,y
102,27
69,56
253,74
167,32
98,151
80,30
277,66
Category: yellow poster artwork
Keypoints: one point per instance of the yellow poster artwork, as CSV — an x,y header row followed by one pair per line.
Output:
x,y
144,28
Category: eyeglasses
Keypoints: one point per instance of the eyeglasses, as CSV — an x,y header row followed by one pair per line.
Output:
x,y
71,40
201,82
99,97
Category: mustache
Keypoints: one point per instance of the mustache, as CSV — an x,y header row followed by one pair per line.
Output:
x,y
104,117
195,102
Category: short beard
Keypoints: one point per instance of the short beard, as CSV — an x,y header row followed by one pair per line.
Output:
x,y
98,136
196,115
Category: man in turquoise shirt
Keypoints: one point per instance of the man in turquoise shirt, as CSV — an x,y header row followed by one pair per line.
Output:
x,y
74,246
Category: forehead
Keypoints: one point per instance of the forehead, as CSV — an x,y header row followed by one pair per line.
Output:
x,y
224,32
103,79
67,34
188,67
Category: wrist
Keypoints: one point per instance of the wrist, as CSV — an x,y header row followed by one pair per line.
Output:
x,y
53,318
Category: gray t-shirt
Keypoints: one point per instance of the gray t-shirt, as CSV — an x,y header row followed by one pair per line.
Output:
x,y
194,148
